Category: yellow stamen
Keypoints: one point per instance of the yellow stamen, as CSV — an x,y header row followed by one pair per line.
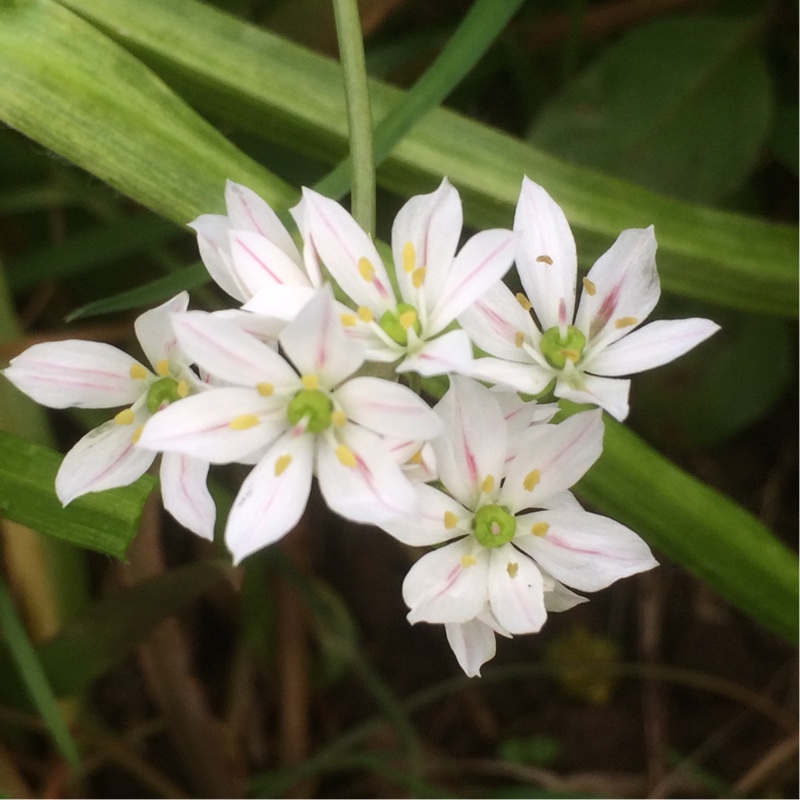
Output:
x,y
366,269
137,434
348,320
512,568
468,561
418,278
540,528
182,389
125,417
409,257
243,422
531,479
544,259
450,520
572,355
346,456
311,382
365,314
265,389
488,484
523,301
407,319
281,464
162,368
338,418
138,372
625,322
590,288
519,338
417,458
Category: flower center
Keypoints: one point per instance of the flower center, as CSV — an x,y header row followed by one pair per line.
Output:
x,y
494,525
313,406
558,350
165,391
397,322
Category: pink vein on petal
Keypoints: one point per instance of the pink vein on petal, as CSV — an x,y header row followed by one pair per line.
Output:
x,y
259,261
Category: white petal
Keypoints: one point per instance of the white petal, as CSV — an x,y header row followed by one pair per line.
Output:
x,y
528,378
310,255
432,223
450,352
154,330
226,351
473,644
76,373
651,346
281,303
608,393
387,408
545,237
516,591
626,288
480,264
185,494
342,244
212,241
585,551
551,458
272,498
104,458
200,425
265,328
558,598
260,263
439,588
426,526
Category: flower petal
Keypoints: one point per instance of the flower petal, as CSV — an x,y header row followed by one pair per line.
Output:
x,y
450,352
585,551
546,259
259,325
282,303
260,263
77,373
528,378
473,644
516,591
558,598
610,394
426,526
185,494
154,330
439,588
215,250
273,496
651,346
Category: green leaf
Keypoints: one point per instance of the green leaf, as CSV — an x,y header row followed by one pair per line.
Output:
x,y
104,521
669,129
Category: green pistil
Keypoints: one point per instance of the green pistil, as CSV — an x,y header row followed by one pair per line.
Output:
x,y
558,351
313,406
397,322
163,392
494,526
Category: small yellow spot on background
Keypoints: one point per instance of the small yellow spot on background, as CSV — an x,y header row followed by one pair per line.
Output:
x,y
125,417
519,338
346,455
531,479
572,355
182,389
625,322
365,314
418,278
591,289
544,259
468,561
409,257
137,434
523,301
348,320
243,422
407,319
138,372
488,484
512,568
311,382
162,368
366,269
450,520
265,389
540,528
281,464
338,418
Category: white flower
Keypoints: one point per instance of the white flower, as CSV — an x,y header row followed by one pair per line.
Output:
x,y
84,374
515,532
435,284
588,355
307,417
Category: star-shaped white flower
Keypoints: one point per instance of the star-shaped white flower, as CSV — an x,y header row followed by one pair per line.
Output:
x,y
585,356
435,284
515,532
84,374
307,417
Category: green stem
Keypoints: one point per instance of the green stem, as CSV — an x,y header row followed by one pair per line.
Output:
x,y
359,116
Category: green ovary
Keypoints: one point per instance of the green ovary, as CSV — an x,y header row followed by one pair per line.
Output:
x,y
494,526
397,322
558,350
163,392
313,406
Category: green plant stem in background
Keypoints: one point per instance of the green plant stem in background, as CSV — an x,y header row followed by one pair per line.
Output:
x,y
359,116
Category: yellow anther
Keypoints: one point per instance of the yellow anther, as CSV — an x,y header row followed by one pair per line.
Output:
x,y
365,314
338,418
418,278
468,561
589,286
265,389
540,528
125,417
182,389
571,355
138,372
137,434
281,464
407,319
366,269
311,382
512,568
348,320
544,259
346,456
519,338
409,257
243,422
417,458
523,301
488,484
531,479
162,368
625,322
450,520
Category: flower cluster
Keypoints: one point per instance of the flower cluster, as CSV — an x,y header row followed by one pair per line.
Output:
x,y
311,376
